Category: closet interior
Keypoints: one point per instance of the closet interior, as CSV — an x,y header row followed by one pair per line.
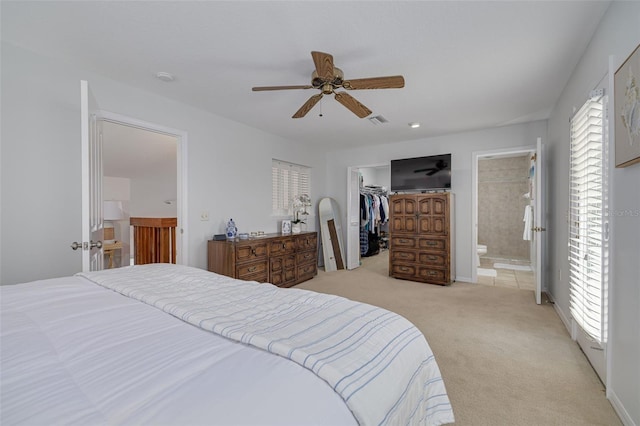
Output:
x,y
374,210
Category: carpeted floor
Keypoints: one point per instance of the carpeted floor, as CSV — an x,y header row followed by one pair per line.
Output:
x,y
504,359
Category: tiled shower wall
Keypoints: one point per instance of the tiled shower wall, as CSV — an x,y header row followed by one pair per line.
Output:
x,y
502,183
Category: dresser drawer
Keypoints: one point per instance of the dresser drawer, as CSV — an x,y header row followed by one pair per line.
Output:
x,y
282,262
249,271
403,242
433,259
306,257
307,271
433,275
400,270
251,251
403,255
281,246
432,244
283,278
307,242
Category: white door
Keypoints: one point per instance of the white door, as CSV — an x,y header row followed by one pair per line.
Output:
x,y
353,212
92,214
539,228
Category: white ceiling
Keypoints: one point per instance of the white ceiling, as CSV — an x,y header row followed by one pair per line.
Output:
x,y
129,152
467,65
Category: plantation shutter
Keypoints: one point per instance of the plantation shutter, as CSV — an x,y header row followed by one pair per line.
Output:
x,y
288,180
587,218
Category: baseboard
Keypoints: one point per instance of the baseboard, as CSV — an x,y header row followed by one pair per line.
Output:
x,y
463,280
625,418
563,317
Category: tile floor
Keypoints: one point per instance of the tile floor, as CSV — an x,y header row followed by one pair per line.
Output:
x,y
507,277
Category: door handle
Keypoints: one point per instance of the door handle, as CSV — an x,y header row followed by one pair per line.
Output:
x,y
76,245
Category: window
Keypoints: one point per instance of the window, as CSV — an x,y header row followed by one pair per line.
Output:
x,y
288,180
587,217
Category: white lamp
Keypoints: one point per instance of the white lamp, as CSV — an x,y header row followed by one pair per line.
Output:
x,y
112,212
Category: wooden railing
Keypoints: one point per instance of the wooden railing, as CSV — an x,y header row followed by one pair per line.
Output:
x,y
154,239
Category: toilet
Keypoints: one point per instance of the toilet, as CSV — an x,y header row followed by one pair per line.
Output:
x,y
482,249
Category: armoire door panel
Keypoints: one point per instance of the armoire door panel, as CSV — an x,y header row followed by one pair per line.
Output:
x,y
424,205
439,206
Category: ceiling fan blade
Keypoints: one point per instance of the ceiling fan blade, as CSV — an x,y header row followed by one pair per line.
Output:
x,y
263,88
352,104
304,109
391,82
324,65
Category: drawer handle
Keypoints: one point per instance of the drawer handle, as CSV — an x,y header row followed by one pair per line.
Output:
x,y
403,269
252,269
433,273
432,258
432,243
402,241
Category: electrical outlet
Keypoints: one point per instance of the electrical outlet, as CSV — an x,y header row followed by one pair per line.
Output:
x,y
204,216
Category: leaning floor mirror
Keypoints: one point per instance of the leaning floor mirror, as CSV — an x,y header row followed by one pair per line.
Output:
x,y
331,234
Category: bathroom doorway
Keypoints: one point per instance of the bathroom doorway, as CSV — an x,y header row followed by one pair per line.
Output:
x,y
503,219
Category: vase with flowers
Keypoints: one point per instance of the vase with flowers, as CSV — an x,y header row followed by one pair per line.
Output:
x,y
300,204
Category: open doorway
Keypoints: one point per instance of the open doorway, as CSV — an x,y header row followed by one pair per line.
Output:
x,y
505,251
142,176
367,236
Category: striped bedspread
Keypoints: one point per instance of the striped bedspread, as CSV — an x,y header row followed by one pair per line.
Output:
x,y
377,361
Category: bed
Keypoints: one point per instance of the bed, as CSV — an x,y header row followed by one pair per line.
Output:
x,y
170,344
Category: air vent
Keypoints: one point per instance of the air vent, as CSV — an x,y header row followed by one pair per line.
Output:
x,y
378,119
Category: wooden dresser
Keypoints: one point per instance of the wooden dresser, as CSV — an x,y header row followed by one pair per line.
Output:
x,y
421,238
283,260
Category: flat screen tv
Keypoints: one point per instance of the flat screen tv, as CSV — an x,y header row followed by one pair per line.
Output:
x,y
421,174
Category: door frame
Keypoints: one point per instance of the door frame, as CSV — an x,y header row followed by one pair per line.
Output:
x,y
182,253
476,155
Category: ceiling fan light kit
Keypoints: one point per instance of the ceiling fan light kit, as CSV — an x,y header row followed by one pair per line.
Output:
x,y
327,78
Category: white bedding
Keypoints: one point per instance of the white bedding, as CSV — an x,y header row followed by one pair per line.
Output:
x,y
77,353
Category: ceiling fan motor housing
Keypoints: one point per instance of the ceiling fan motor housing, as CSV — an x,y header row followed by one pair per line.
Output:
x,y
327,86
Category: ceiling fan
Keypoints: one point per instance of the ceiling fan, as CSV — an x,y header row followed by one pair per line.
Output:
x,y
440,165
327,78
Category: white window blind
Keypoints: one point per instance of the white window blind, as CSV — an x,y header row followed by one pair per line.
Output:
x,y
587,217
288,180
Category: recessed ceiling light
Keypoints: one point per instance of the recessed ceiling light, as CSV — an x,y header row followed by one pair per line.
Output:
x,y
414,125
165,76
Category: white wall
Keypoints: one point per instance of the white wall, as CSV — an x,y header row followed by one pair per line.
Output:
x,y
378,175
149,193
461,146
617,35
41,175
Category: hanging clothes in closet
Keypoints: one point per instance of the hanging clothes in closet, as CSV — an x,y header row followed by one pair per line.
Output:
x,y
374,212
